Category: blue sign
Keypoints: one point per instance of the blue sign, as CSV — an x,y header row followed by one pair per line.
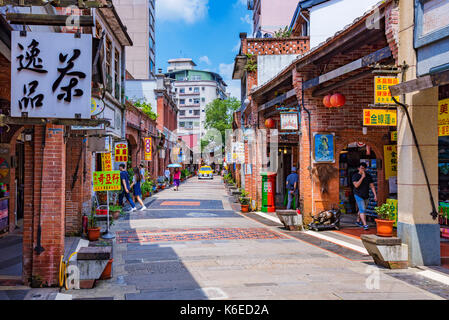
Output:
x,y
323,148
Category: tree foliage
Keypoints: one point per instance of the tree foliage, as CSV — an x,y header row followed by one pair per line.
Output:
x,y
146,108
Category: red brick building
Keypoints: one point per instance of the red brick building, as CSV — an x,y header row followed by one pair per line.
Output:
x,y
347,64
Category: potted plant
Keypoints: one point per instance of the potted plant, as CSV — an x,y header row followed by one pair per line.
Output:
x,y
93,231
385,221
115,211
244,201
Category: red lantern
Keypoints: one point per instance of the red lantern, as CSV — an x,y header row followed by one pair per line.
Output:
x,y
338,100
327,101
269,123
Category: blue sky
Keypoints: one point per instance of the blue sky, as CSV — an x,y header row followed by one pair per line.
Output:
x,y
205,30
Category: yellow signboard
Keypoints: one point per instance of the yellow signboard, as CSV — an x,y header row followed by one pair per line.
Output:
x,y
394,136
121,152
106,161
382,94
148,146
391,161
106,180
379,117
443,118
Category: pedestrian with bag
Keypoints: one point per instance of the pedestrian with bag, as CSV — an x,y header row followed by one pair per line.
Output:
x,y
124,180
363,182
176,179
142,172
136,185
292,187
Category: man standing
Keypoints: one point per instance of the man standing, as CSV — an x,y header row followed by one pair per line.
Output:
x,y
292,187
167,175
142,172
124,179
362,183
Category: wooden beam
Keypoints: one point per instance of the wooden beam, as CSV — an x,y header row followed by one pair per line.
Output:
x,y
47,19
341,83
278,99
422,83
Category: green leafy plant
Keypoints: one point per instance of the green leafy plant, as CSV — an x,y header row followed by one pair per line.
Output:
x,y
244,200
244,193
385,211
283,33
147,186
251,63
114,208
146,108
92,223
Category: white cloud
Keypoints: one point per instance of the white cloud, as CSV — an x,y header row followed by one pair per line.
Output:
x,y
189,11
206,60
246,19
225,70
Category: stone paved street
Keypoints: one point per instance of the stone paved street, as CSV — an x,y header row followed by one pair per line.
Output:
x,y
191,245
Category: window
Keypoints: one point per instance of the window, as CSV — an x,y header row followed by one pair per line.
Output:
x,y
108,56
203,110
176,89
190,100
190,111
203,99
196,112
182,90
182,101
190,89
196,89
182,112
196,124
182,124
117,66
203,88
196,101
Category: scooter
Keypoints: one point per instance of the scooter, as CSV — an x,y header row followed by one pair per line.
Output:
x,y
326,220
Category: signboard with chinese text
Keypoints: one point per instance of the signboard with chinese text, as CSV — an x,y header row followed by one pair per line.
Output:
x,y
106,180
148,145
382,94
121,152
289,121
106,161
394,136
391,161
443,118
379,117
48,80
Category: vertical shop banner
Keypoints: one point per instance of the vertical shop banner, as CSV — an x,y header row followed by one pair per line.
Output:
x,y
443,118
379,117
394,136
106,180
391,161
48,80
148,151
121,152
106,161
382,94
289,121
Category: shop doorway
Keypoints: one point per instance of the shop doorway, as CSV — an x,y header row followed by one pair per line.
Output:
x,y
20,181
285,164
350,159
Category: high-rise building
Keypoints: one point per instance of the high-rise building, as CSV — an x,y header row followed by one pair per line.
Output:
x,y
194,89
270,16
139,18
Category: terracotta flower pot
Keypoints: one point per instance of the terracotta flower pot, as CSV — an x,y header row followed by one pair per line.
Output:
x,y
93,233
107,272
384,227
245,207
115,214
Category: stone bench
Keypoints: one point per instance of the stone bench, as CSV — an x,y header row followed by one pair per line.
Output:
x,y
91,263
388,252
290,219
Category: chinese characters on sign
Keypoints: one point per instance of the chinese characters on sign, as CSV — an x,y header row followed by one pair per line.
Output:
x,y
121,152
394,136
148,154
391,161
382,94
379,117
106,180
443,118
106,160
49,81
289,121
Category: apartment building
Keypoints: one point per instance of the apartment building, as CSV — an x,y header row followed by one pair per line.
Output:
x,y
194,89
139,18
270,15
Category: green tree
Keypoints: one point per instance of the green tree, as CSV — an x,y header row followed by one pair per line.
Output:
x,y
146,108
219,115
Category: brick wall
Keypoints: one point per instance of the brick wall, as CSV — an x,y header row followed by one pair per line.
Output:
x,y
392,28
44,266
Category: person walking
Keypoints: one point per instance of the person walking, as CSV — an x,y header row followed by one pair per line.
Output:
x,y
137,179
142,171
167,175
124,179
292,187
362,183
176,178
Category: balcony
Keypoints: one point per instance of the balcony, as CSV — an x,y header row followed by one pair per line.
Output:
x,y
189,93
190,105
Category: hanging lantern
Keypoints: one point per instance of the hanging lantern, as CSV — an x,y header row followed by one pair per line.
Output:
x,y
269,123
338,100
327,101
